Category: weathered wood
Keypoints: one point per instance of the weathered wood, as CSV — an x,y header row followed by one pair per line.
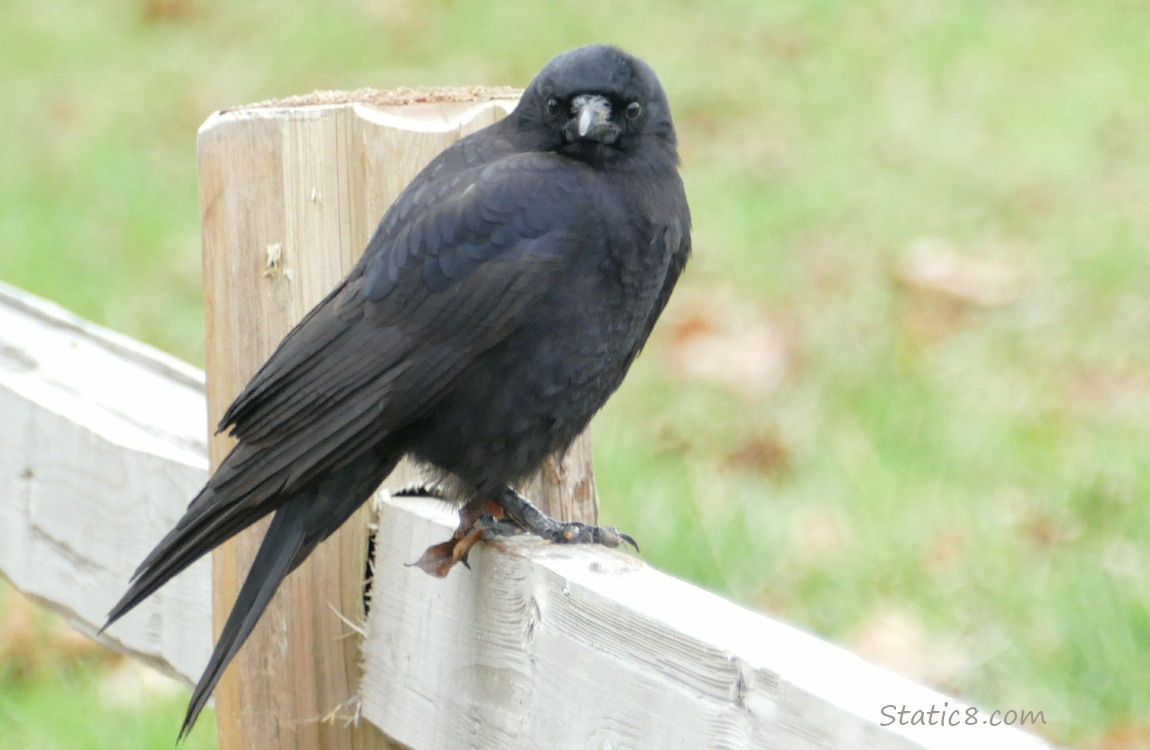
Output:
x,y
579,647
290,195
102,443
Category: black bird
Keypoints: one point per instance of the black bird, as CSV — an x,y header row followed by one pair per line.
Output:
x,y
498,305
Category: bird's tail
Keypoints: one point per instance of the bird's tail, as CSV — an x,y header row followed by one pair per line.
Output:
x,y
297,528
300,523
284,547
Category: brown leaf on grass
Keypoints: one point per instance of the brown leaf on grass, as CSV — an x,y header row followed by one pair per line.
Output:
x,y
670,439
399,14
169,11
1125,737
946,550
774,600
1035,523
763,453
19,630
934,265
69,645
819,534
728,341
33,640
1124,387
1044,530
897,639
941,285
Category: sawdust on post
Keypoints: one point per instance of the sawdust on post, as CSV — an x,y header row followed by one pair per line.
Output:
x,y
398,97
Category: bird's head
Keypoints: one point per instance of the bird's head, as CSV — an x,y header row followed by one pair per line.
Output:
x,y
596,103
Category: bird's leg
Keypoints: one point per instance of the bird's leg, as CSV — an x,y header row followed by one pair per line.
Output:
x,y
521,511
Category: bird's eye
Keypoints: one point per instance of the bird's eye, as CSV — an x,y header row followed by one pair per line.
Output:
x,y
552,106
634,109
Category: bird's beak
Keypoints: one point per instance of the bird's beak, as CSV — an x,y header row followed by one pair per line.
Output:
x,y
592,118
586,118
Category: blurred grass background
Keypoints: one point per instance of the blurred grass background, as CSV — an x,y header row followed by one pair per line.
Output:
x,y
903,396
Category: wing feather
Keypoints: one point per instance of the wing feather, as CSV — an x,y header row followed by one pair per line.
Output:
x,y
411,317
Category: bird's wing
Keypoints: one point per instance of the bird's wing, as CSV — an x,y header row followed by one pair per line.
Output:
x,y
455,266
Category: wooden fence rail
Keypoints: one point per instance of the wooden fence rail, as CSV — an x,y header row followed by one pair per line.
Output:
x,y
103,442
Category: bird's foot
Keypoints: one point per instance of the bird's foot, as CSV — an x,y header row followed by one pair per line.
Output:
x,y
439,559
508,515
522,512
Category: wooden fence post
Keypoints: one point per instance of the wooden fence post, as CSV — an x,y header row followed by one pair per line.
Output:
x,y
290,193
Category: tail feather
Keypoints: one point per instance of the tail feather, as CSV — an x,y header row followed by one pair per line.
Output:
x,y
301,522
284,547
297,528
182,546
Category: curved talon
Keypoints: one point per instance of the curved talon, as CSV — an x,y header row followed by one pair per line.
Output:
x,y
609,536
630,540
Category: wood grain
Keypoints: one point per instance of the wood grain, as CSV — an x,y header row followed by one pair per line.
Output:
x,y
567,648
102,442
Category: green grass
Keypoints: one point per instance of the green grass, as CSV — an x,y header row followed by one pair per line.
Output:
x,y
55,694
990,481
63,710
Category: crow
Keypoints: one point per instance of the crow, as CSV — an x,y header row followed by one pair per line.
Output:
x,y
499,303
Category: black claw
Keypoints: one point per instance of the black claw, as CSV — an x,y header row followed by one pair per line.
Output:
x,y
609,536
630,540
